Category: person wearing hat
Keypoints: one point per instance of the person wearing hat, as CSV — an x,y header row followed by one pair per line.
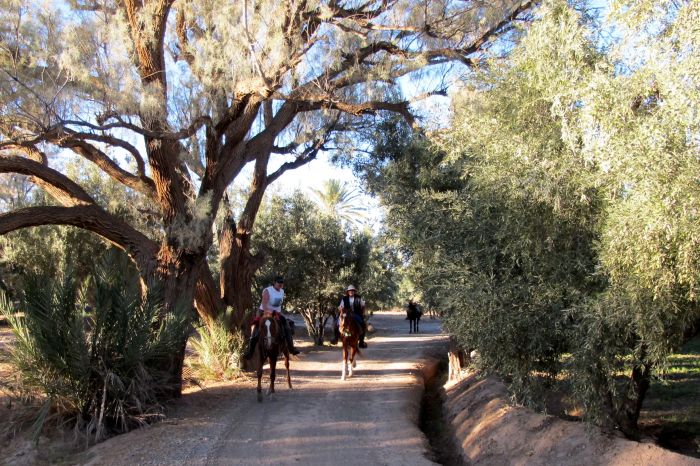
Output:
x,y
272,297
353,301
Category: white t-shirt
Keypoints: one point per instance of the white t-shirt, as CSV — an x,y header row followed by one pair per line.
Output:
x,y
276,297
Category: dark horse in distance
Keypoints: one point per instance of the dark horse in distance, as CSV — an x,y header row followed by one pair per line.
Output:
x,y
413,314
350,332
269,348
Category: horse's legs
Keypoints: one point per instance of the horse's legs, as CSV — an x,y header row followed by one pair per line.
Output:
x,y
345,360
410,326
353,352
260,372
273,373
286,365
417,322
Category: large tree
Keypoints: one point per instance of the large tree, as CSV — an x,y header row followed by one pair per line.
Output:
x,y
172,98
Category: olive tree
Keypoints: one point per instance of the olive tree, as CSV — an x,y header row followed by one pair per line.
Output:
x,y
639,126
557,215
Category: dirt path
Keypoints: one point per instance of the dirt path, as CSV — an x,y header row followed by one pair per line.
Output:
x,y
369,419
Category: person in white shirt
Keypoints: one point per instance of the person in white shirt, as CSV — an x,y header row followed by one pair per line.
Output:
x,y
272,298
353,301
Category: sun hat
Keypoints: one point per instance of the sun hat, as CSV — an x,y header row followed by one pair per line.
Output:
x,y
350,288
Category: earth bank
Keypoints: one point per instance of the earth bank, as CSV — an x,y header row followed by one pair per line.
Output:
x,y
492,432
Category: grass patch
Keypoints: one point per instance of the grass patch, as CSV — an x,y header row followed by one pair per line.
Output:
x,y
217,352
672,407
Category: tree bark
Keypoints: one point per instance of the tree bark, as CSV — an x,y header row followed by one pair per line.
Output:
x,y
627,415
238,267
207,298
178,273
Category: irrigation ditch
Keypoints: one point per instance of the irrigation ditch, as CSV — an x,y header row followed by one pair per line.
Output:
x,y
433,419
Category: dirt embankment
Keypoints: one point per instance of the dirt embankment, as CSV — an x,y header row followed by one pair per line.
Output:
x,y
491,432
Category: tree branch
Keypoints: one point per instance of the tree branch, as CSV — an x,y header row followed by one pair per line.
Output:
x,y
30,150
143,184
359,109
305,157
88,217
59,186
116,142
119,123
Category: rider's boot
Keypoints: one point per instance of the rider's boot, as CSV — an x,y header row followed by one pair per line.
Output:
x,y
290,340
362,343
251,344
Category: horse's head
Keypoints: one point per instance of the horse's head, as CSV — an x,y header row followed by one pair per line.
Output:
x,y
347,323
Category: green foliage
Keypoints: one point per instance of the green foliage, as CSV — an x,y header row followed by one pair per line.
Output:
x,y
337,198
559,213
380,277
217,351
103,368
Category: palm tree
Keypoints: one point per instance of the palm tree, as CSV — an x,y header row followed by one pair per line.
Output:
x,y
339,199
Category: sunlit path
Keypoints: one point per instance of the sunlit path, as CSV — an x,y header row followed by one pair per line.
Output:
x,y
370,418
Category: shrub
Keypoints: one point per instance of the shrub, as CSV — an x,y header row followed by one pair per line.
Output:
x,y
218,351
99,367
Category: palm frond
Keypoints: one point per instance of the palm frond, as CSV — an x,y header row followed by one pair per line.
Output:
x,y
99,367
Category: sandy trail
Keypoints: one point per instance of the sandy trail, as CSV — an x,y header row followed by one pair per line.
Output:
x,y
370,418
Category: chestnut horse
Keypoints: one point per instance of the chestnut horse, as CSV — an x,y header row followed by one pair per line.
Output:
x,y
350,335
270,346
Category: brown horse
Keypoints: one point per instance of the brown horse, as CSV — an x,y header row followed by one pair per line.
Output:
x,y
270,346
350,335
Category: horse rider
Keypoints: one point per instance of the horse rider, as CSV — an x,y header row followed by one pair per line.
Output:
x,y
272,297
354,302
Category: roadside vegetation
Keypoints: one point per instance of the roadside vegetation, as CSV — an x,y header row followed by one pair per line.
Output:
x,y
554,221
91,356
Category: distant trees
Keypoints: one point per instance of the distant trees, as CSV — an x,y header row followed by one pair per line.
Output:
x,y
318,257
559,213
338,198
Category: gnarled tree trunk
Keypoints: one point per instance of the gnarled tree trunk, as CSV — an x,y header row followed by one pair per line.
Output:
x,y
238,267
